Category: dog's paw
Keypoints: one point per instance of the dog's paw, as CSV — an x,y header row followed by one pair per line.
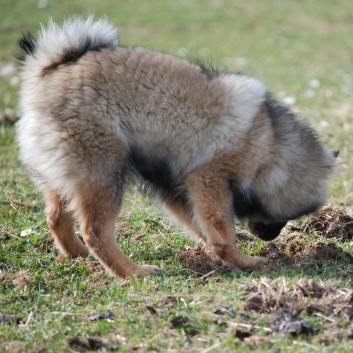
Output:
x,y
146,270
256,263
251,264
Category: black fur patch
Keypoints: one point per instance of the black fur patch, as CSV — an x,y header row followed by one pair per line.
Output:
x,y
28,45
246,204
157,177
268,231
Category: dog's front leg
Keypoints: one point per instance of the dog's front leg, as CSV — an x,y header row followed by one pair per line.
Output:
x,y
212,205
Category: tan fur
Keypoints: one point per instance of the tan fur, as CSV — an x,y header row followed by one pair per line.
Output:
x,y
212,146
61,224
210,196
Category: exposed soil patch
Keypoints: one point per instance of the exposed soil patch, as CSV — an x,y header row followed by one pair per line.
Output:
x,y
285,306
200,260
89,344
6,319
272,296
13,347
291,247
22,280
288,322
331,222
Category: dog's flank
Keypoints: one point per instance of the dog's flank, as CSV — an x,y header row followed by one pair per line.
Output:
x,y
210,145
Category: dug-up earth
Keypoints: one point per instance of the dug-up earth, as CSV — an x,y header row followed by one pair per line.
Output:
x,y
306,250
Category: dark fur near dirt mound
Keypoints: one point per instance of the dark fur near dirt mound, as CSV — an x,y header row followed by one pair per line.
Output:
x,y
331,222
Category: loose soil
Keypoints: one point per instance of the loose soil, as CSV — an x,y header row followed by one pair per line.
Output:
x,y
331,222
286,308
292,246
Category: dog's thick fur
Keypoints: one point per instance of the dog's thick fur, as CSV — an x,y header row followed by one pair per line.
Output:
x,y
210,145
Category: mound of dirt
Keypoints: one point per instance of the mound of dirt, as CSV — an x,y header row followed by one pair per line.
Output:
x,y
200,260
292,247
283,306
331,222
272,296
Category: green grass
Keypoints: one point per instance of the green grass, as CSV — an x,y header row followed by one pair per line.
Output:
x,y
287,44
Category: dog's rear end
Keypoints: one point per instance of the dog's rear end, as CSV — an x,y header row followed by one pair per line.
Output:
x,y
77,160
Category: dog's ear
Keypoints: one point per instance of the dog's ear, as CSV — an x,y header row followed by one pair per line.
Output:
x,y
335,153
265,231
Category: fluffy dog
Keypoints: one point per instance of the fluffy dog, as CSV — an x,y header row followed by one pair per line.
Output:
x,y
212,146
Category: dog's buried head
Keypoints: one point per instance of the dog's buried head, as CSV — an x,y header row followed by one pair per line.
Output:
x,y
210,145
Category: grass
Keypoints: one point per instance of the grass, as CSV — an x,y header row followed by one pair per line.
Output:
x,y
300,49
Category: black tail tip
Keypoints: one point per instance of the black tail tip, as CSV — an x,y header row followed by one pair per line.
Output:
x,y
27,46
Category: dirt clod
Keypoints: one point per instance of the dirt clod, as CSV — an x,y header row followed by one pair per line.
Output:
x,y
287,321
6,319
333,335
200,260
331,222
322,251
309,288
22,280
151,309
271,296
241,334
178,321
88,343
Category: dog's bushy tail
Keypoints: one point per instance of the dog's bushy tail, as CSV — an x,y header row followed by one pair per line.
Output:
x,y
67,42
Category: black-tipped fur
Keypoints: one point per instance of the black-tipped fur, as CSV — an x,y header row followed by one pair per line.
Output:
x,y
207,68
28,45
71,56
283,121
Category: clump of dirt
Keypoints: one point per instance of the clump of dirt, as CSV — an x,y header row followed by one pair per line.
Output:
x,y
288,322
291,242
13,347
333,335
292,247
87,344
322,251
272,296
22,280
331,222
200,260
285,307
309,288
6,319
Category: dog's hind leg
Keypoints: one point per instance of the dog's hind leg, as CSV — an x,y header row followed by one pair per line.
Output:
x,y
61,224
98,206
183,215
212,204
